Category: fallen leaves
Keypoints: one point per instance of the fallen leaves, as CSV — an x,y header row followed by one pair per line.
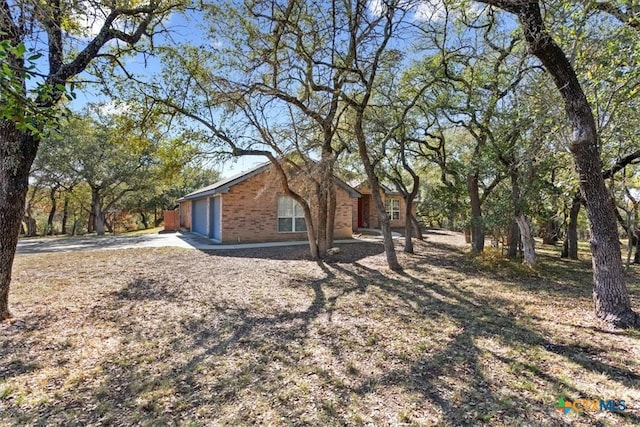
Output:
x,y
172,336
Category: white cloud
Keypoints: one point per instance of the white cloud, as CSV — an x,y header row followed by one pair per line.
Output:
x,y
113,108
376,7
428,10
425,10
90,17
431,10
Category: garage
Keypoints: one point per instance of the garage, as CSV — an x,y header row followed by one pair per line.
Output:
x,y
214,218
199,216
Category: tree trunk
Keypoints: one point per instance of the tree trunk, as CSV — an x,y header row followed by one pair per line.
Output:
x,y
389,249
416,227
98,215
311,233
408,227
528,243
477,223
158,218
610,295
52,213
514,240
108,224
32,229
322,208
17,152
65,215
144,219
550,235
408,215
515,234
331,214
636,235
91,221
374,184
570,249
524,226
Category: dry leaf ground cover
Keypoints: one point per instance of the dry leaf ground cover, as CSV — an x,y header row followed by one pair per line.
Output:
x,y
267,337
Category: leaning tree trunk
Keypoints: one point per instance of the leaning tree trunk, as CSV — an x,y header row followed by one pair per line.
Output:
x,y
17,152
477,223
374,184
416,227
610,295
311,231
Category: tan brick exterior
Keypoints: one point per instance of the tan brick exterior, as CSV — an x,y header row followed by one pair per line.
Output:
x,y
370,214
250,208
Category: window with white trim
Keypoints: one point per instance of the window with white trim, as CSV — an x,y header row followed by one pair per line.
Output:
x,y
393,208
290,216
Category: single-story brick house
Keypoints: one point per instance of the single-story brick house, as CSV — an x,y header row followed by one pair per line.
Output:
x,y
251,207
364,208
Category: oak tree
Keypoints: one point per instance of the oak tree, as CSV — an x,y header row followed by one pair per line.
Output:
x,y
44,46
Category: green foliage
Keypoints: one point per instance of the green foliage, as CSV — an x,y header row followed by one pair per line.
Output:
x,y
131,163
32,110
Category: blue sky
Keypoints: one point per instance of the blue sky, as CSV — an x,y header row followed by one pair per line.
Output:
x,y
183,28
187,28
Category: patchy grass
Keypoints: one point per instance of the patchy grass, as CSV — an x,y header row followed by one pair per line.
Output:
x,y
171,336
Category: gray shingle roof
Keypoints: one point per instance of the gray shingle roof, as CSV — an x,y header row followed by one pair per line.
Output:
x,y
223,185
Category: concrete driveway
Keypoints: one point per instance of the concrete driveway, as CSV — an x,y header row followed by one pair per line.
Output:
x,y
90,243
177,239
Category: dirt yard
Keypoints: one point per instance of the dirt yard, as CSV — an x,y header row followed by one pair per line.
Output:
x,y
268,337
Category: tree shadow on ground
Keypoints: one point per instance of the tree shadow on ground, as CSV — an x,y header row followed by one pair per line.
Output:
x,y
144,289
489,318
13,363
554,276
231,363
349,252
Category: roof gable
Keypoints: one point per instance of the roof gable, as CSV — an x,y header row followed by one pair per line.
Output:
x,y
224,185
364,186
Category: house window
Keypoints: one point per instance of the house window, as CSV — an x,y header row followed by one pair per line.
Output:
x,y
290,216
393,208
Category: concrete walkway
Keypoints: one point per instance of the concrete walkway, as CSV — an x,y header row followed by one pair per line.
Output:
x,y
178,239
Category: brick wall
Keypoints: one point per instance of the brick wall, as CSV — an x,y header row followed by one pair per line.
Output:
x,y
372,218
249,211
